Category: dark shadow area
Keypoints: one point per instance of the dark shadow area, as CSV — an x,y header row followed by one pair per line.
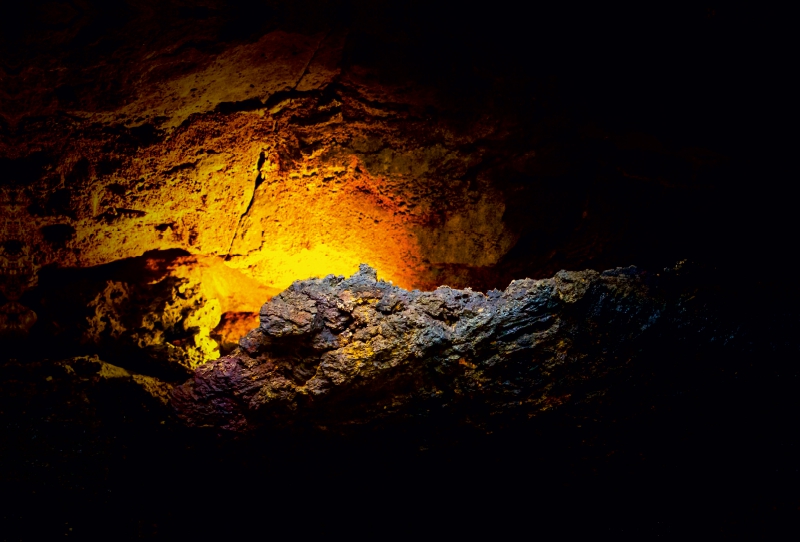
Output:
x,y
715,456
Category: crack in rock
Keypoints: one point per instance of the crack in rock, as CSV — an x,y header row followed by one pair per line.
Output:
x,y
259,179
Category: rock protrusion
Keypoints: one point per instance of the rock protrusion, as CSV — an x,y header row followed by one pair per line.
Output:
x,y
337,351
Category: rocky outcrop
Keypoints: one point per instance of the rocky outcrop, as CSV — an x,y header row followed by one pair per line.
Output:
x,y
338,352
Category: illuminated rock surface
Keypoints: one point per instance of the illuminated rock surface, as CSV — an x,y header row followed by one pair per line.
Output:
x,y
306,146
279,145
163,313
337,352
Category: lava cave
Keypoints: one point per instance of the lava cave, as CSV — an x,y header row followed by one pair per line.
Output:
x,y
396,268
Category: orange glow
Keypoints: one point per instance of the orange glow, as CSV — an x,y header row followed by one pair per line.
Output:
x,y
299,228
276,217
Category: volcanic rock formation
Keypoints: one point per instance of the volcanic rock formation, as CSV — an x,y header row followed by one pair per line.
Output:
x,y
338,352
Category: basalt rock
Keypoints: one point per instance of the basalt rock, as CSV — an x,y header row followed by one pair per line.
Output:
x,y
335,353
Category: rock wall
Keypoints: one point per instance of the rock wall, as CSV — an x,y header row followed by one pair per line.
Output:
x,y
291,145
292,141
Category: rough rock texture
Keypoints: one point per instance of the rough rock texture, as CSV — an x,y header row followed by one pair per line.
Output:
x,y
163,313
170,320
297,140
334,352
278,142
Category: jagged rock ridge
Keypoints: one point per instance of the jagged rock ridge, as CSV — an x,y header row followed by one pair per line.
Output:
x,y
334,352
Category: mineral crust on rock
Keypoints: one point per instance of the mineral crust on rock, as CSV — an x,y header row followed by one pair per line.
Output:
x,y
334,352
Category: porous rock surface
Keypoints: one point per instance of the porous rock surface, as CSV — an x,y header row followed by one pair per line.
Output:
x,y
262,137
161,314
334,352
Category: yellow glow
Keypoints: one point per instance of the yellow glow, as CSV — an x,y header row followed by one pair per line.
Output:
x,y
298,229
317,261
324,214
